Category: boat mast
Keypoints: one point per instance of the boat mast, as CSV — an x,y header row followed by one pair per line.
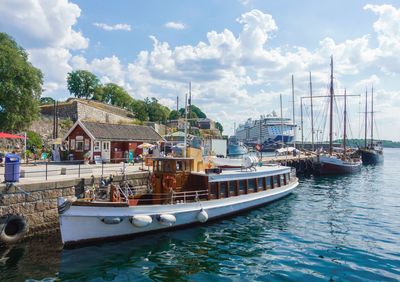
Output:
x,y
301,123
312,117
185,139
344,123
372,117
331,109
294,122
280,96
366,121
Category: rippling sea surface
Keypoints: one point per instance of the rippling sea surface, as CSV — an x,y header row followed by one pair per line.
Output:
x,y
343,228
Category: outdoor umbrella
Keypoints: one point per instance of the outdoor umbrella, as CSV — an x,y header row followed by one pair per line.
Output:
x,y
4,135
145,145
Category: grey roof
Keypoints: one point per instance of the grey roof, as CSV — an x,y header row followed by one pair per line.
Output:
x,y
122,132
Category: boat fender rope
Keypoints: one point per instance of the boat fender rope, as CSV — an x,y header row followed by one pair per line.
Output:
x,y
13,228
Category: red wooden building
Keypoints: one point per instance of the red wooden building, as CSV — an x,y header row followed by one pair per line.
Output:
x,y
110,142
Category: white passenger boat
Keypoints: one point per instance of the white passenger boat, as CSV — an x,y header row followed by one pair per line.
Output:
x,y
180,194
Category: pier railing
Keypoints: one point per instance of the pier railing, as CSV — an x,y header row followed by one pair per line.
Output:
x,y
56,170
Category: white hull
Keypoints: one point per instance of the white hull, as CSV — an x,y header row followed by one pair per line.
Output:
x,y
83,223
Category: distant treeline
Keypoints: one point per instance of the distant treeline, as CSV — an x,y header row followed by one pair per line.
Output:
x,y
360,143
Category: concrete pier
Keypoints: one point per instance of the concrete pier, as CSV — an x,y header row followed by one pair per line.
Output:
x,y
36,201
303,163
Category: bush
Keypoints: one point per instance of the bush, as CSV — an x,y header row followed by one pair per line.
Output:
x,y
34,139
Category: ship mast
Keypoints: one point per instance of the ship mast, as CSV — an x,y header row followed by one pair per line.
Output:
x,y
366,120
294,122
331,109
372,117
301,123
344,123
312,117
280,96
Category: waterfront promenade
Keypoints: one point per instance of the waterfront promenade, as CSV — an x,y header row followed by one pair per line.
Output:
x,y
59,172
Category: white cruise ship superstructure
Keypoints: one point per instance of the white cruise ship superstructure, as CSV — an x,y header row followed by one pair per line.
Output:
x,y
267,130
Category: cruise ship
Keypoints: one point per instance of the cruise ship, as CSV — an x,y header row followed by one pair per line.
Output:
x,y
269,130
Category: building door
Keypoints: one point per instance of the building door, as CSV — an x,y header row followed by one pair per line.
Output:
x,y
105,150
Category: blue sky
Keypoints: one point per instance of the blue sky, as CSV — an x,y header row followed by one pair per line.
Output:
x,y
239,54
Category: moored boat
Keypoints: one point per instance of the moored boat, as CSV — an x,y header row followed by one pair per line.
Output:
x,y
181,194
343,162
371,153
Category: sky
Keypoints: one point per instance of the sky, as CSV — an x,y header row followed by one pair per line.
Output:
x,y
239,55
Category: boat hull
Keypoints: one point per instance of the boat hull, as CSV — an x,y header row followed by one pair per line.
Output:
x,y
371,157
83,224
332,166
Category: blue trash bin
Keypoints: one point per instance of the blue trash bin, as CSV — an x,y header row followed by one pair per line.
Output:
x,y
12,168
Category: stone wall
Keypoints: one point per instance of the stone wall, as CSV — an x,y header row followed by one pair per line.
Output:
x,y
37,202
88,110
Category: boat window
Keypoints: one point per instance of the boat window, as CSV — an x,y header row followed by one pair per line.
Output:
x,y
282,178
223,188
268,182
260,184
276,181
251,183
214,188
241,185
179,166
232,189
288,177
167,166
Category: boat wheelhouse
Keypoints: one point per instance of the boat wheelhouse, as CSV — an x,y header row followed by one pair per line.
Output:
x,y
181,193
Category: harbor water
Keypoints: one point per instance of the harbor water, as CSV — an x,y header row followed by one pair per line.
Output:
x,y
342,228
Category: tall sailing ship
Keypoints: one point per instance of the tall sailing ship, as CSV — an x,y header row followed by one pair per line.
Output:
x,y
371,153
337,163
269,130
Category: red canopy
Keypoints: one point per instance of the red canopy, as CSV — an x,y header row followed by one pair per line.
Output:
x,y
10,136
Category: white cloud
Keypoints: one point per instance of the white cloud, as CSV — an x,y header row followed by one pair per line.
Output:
x,y
175,25
125,27
234,75
46,29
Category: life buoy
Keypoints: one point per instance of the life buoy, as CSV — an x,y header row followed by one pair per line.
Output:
x,y
169,182
115,195
153,180
12,228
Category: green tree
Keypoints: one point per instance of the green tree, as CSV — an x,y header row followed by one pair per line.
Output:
x,y
156,111
34,139
199,113
219,127
82,83
138,108
46,101
20,86
116,95
174,115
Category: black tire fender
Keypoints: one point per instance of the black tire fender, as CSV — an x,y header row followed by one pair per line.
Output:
x,y
12,228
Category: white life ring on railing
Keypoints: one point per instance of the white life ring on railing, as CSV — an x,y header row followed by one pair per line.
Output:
x,y
12,228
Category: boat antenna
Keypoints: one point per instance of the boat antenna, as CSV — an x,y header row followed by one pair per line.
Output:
x,y
366,120
312,117
294,121
331,109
